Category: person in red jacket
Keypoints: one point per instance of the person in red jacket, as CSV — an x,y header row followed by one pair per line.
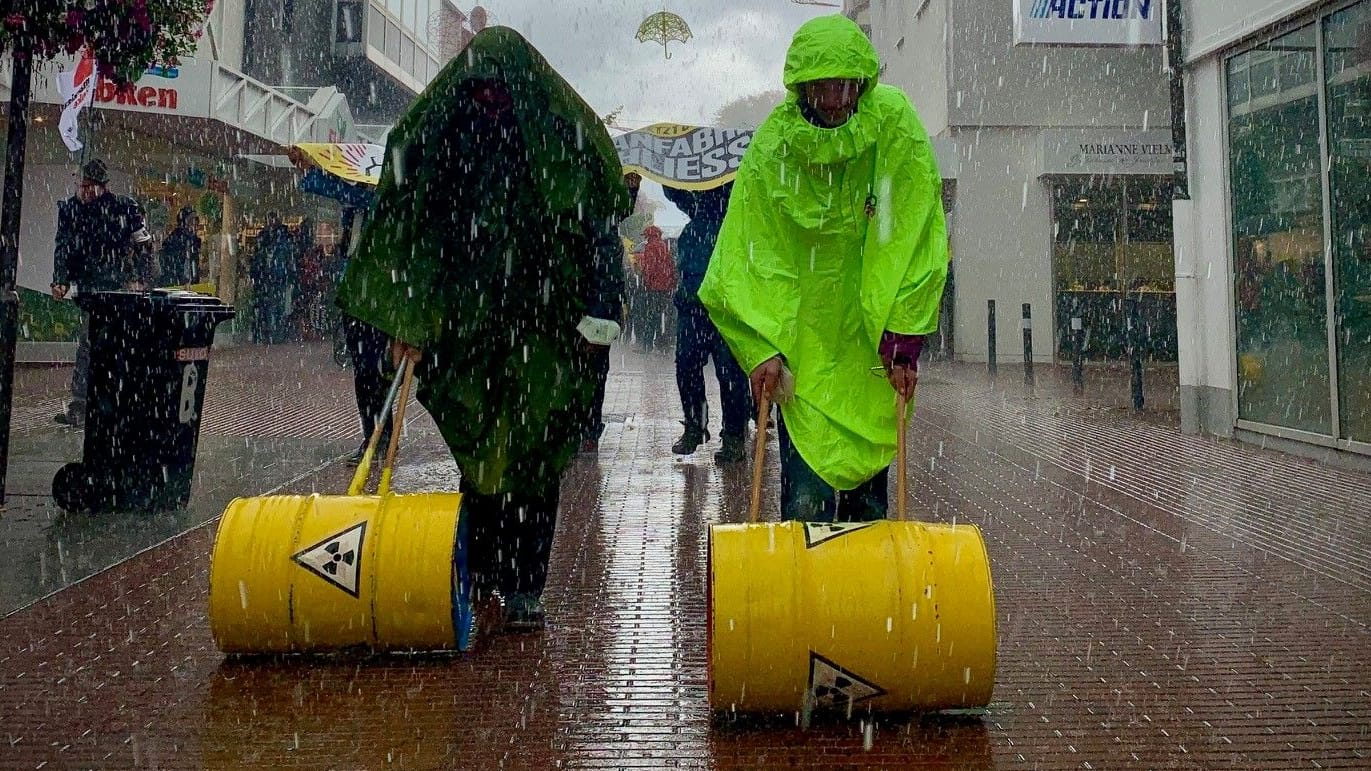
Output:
x,y
658,274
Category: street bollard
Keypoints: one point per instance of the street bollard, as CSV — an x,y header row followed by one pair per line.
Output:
x,y
1028,345
1135,360
990,328
1078,355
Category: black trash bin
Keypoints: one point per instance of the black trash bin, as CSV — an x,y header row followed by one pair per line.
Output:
x,y
149,361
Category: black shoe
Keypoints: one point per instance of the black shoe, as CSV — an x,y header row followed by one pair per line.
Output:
x,y
355,459
690,441
733,451
524,613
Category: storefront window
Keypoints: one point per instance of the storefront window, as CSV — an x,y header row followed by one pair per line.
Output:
x,y
1283,362
1112,242
1347,46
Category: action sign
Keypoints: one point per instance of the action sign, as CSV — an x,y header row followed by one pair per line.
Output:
x,y
684,157
1088,22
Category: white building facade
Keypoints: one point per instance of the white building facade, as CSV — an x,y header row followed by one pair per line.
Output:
x,y
1274,251
1062,197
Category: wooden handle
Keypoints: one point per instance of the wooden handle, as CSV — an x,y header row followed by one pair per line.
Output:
x,y
759,458
388,468
901,470
359,479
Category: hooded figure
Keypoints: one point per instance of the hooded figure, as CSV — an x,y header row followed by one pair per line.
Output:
x,y
491,255
831,264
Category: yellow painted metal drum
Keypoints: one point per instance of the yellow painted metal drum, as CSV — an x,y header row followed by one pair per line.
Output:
x,y
322,573
887,616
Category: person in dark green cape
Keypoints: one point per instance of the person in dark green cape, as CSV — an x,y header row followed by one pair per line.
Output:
x,y
492,259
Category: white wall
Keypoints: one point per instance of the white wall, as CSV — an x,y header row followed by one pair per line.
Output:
x,y
996,83
227,20
1212,24
915,52
1001,243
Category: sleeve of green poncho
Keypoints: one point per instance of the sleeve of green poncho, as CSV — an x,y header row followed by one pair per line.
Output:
x,y
729,284
921,228
395,280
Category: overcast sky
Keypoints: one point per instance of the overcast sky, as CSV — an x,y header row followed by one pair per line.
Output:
x,y
738,49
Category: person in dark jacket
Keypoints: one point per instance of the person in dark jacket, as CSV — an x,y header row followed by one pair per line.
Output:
x,y
103,244
595,420
368,347
180,255
269,273
697,339
492,259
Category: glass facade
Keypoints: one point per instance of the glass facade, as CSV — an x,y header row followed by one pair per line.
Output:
x,y
1112,240
1347,79
1299,132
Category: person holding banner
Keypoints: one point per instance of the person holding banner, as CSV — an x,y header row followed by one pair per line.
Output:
x,y
697,339
492,258
830,269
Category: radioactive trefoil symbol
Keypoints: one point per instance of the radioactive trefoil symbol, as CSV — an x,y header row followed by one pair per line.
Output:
x,y
817,533
833,686
337,559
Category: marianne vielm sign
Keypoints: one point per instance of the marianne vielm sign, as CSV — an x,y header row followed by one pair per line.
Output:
x,y
1088,22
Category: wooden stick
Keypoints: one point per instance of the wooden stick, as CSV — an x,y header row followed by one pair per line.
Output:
x,y
759,457
388,468
901,506
359,479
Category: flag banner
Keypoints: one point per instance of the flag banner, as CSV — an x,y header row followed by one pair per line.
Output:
x,y
684,157
77,89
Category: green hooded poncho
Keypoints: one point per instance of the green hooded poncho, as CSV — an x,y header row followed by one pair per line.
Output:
x,y
800,269
489,240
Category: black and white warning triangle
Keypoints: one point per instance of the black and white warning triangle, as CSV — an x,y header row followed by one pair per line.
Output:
x,y
337,559
833,686
822,532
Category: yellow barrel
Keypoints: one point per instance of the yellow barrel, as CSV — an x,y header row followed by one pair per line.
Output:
x,y
321,573
887,616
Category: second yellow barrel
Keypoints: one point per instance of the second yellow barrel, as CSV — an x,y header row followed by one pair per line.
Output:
x,y
321,573
886,616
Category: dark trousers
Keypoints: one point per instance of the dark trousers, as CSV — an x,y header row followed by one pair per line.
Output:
x,y
80,375
372,373
509,538
806,497
697,341
594,424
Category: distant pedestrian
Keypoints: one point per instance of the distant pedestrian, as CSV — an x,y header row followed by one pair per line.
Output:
x,y
368,348
269,273
180,254
658,273
697,339
595,420
103,244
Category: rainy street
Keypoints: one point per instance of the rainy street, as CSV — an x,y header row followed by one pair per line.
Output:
x,y
1162,602
648,384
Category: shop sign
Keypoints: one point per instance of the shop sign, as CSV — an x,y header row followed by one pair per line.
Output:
x,y
1088,22
1107,152
182,90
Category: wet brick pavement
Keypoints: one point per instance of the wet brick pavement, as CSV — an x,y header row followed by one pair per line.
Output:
x,y
1164,602
272,415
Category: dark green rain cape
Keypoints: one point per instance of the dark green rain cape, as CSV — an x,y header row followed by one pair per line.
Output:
x,y
488,242
802,271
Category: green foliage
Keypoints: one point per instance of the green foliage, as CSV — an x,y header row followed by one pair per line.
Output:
x,y
125,36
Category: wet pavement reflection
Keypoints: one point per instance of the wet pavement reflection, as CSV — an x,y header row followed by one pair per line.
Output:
x,y
1158,608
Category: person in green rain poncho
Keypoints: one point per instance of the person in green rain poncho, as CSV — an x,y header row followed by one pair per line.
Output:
x,y
491,258
829,270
